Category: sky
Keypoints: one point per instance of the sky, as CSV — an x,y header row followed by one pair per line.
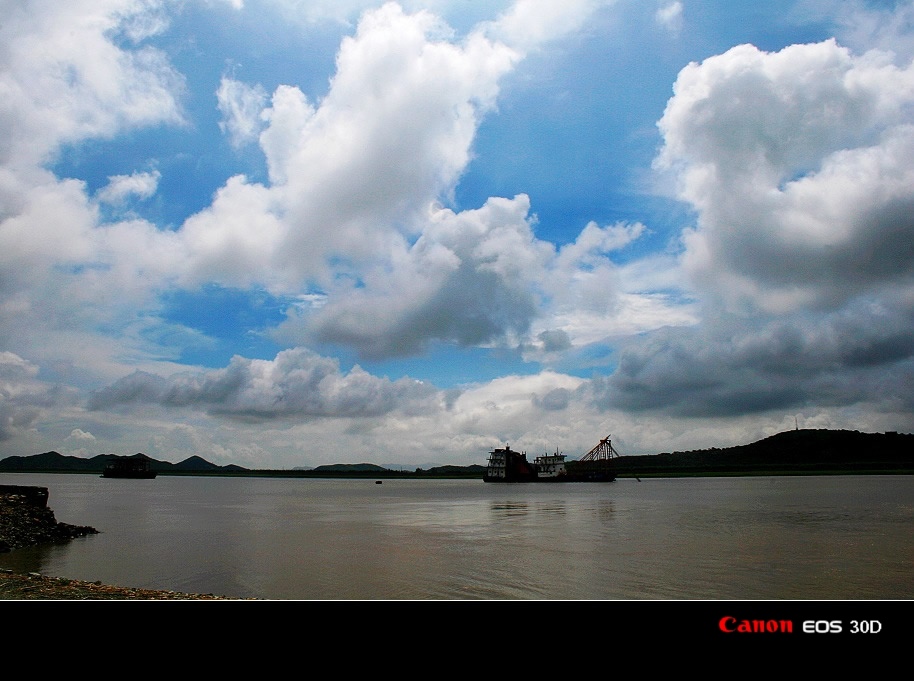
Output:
x,y
288,233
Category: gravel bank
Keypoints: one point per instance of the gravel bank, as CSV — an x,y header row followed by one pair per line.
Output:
x,y
26,521
32,586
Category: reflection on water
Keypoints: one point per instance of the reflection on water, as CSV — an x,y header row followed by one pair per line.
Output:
x,y
500,509
601,508
706,538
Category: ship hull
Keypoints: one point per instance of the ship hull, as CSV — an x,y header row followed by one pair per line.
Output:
x,y
139,475
606,477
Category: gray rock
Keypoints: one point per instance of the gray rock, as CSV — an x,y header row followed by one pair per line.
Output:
x,y
25,520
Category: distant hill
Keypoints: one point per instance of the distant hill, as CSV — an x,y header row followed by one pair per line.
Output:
x,y
350,468
196,463
794,451
54,462
457,470
61,463
806,451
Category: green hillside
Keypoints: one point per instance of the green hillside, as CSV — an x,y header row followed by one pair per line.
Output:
x,y
791,452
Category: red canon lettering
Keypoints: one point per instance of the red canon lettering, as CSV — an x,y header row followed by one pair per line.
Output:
x,y
731,625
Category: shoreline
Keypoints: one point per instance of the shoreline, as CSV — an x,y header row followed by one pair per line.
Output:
x,y
25,520
32,586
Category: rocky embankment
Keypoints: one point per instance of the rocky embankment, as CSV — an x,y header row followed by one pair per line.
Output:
x,y
26,520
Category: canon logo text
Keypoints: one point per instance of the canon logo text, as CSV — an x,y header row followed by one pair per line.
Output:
x,y
731,625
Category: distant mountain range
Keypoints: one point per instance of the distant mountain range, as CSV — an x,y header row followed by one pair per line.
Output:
x,y
790,452
54,462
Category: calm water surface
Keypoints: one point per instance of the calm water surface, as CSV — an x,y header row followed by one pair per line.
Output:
x,y
829,537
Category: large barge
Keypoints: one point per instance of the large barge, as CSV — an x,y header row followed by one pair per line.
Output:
x,y
507,465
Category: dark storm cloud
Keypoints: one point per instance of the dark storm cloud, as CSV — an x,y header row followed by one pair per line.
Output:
x,y
472,307
554,340
881,255
555,400
23,397
298,383
731,368
470,279
16,417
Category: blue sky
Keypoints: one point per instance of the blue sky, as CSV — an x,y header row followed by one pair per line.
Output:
x,y
283,233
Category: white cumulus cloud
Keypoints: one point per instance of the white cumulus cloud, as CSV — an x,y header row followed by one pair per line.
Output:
x,y
798,164
670,16
120,187
241,106
64,78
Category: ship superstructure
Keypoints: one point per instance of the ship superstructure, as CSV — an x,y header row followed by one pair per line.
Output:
x,y
506,465
550,465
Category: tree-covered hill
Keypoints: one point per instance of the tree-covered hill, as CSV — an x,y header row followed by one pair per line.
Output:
x,y
790,452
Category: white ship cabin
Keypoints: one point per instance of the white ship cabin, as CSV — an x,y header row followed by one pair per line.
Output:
x,y
498,463
550,465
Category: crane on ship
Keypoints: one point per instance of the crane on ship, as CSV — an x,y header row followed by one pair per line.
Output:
x,y
600,457
604,451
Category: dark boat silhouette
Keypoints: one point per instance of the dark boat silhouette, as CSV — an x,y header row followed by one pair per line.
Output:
x,y
130,467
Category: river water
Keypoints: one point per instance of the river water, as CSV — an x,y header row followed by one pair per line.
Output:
x,y
817,537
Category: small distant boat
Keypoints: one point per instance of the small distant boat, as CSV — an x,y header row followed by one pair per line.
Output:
x,y
131,467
